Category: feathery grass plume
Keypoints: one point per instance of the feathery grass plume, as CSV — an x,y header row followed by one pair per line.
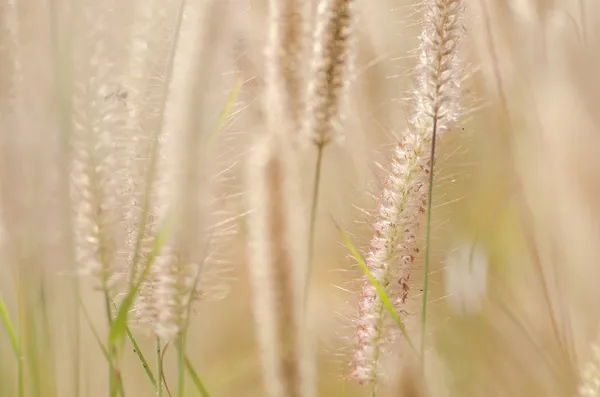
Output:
x,y
184,185
96,150
139,137
155,37
286,60
277,230
394,247
330,70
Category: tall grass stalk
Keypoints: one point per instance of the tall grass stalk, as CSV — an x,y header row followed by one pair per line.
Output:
x,y
438,97
330,69
62,49
427,248
277,269
313,212
181,367
159,368
394,247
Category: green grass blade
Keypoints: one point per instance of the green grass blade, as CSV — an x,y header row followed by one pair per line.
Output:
x,y
9,329
427,243
140,356
380,292
139,353
195,378
226,111
119,326
94,332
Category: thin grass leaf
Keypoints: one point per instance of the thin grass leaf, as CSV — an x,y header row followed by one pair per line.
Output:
x,y
139,353
118,327
159,369
195,378
94,332
380,292
31,347
226,112
154,148
104,350
9,329
140,356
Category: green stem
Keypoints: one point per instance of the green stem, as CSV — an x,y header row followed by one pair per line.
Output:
x,y
111,369
427,243
195,378
181,365
115,383
159,370
140,356
313,216
20,389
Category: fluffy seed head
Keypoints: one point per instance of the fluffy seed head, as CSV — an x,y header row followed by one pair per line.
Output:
x,y
285,54
277,228
96,153
184,188
330,69
394,247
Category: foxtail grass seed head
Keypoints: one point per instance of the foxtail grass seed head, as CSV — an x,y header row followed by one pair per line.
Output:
x,y
183,210
330,70
277,231
394,247
286,60
97,157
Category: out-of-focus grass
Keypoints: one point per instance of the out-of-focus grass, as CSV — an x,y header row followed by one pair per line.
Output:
x,y
508,348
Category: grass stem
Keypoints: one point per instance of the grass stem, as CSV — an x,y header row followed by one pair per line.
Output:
x,y
427,243
181,366
313,215
159,370
112,390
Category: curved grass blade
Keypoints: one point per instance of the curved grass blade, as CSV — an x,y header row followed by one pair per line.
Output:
x,y
195,378
118,327
140,355
9,329
380,292
94,332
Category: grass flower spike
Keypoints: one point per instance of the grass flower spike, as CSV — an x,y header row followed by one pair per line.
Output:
x,y
330,69
277,266
285,53
96,156
394,247
184,190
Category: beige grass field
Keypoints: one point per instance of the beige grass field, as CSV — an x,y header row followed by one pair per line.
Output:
x,y
299,198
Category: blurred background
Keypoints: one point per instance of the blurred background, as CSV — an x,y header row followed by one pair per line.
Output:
x,y
514,305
